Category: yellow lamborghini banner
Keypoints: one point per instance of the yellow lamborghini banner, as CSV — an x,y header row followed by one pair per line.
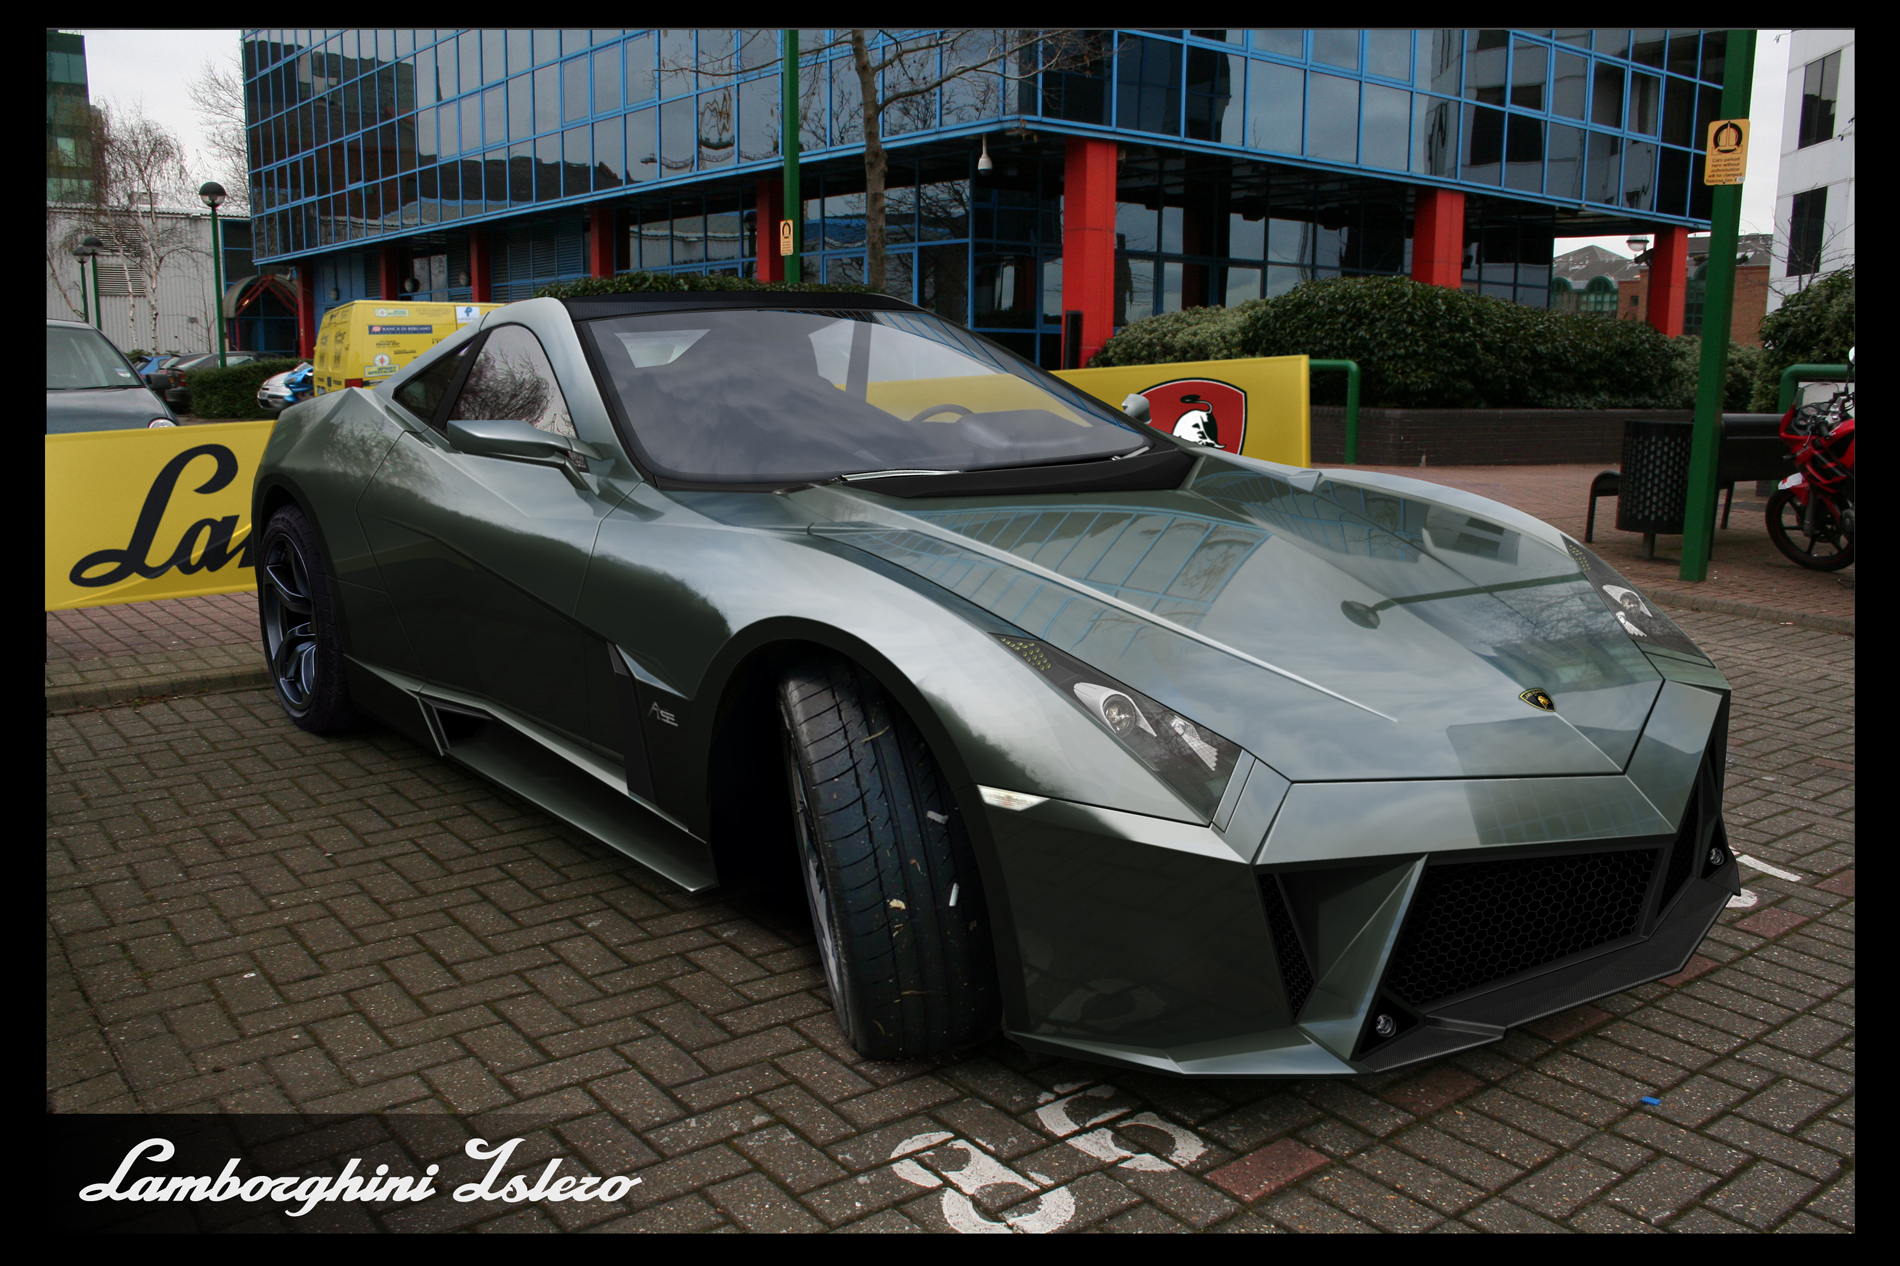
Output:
x,y
141,514
1255,407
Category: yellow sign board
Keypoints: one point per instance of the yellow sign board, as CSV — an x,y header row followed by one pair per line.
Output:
x,y
1728,152
1257,407
785,237
141,514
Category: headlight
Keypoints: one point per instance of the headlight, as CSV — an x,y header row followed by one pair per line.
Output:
x,y
159,422
1189,757
1641,618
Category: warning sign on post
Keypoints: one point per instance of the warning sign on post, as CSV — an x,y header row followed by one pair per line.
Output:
x,y
1728,152
785,245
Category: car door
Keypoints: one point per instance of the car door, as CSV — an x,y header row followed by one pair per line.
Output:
x,y
483,556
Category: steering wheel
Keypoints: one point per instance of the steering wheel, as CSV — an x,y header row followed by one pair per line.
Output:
x,y
957,409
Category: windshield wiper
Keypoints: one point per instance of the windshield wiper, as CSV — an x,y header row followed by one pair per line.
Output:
x,y
855,476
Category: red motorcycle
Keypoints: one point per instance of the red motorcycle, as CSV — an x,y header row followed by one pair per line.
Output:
x,y
1811,514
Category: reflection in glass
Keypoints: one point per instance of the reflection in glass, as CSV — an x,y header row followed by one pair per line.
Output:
x,y
1528,71
1604,176
759,101
1565,178
1333,114
1568,89
1336,48
1606,99
1484,144
1286,42
1276,98
1389,54
1524,154
1645,98
1386,133
1434,137
1639,175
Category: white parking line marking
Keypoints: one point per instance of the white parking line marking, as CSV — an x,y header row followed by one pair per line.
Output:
x,y
1742,901
1766,869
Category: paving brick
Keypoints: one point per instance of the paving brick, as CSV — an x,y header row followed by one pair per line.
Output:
x,y
1267,1170
1297,1211
1661,1189
1762,1194
1562,1187
1371,1202
1433,1089
754,1203
1422,1182
1786,1105
1772,922
1773,1145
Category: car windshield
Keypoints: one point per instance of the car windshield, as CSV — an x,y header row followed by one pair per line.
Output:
x,y
77,360
760,396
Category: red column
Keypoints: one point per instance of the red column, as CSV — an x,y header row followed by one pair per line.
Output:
x,y
1438,238
478,277
1668,278
391,269
1088,239
770,204
600,242
307,309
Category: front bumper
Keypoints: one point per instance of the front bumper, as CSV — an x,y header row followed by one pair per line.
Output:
x,y
1350,928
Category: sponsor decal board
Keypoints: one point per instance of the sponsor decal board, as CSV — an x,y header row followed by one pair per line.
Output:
x,y
1257,407
135,515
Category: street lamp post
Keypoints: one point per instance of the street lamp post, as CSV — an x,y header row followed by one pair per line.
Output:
x,y
84,249
212,194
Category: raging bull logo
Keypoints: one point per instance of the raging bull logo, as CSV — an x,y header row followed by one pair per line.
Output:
x,y
206,544
1537,698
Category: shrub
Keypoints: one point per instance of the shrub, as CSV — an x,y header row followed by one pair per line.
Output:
x,y
1738,386
630,283
1814,326
231,392
1191,334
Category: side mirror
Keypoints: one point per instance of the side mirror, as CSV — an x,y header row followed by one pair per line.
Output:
x,y
1136,407
508,438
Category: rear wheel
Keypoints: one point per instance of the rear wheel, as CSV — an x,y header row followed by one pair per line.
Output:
x,y
299,625
888,870
1829,549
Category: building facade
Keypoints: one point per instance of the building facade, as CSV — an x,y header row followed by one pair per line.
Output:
x,y
68,119
1814,193
1127,173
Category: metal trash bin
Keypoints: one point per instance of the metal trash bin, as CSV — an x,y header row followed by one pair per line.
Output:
x,y
1654,488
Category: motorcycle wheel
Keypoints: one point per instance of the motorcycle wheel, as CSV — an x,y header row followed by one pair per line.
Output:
x,y
1829,551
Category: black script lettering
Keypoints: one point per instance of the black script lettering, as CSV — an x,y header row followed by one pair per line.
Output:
x,y
135,557
217,550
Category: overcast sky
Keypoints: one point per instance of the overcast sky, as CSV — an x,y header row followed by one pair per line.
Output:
x,y
154,68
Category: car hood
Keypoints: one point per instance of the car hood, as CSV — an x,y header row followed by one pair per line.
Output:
x,y
101,409
1338,625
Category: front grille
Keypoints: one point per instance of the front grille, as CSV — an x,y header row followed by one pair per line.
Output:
x,y
1475,922
1295,972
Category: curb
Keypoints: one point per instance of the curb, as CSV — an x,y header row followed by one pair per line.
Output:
x,y
157,686
1728,606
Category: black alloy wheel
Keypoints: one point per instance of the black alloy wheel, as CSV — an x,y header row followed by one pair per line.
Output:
x,y
1829,549
299,626
896,902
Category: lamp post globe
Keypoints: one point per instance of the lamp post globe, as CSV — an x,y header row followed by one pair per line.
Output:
x,y
212,194
86,248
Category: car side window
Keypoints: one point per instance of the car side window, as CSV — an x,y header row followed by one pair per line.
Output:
x,y
512,380
422,395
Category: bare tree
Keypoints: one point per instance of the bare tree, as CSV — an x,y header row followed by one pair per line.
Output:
x,y
217,95
894,74
139,172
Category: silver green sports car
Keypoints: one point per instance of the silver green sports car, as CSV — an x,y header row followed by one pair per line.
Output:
x,y
1152,754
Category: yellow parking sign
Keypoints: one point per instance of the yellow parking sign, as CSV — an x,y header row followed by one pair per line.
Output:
x,y
160,513
1727,160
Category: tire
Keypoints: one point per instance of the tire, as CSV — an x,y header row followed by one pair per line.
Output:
x,y
298,620
1830,551
889,875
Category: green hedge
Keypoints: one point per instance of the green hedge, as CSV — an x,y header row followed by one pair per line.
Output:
x,y
634,283
1191,334
232,392
1814,326
1421,346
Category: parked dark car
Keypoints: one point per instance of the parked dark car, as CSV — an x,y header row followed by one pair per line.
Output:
x,y
176,393
91,386
1156,754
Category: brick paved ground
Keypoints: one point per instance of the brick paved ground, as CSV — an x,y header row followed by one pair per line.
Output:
x,y
251,919
145,628
1745,567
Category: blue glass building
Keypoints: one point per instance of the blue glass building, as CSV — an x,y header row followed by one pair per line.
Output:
x,y
469,164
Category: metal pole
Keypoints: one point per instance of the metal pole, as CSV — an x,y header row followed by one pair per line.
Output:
x,y
1698,519
788,115
98,318
1352,401
85,308
217,282
1794,375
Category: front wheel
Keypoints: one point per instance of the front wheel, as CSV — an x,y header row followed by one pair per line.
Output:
x,y
896,902
1829,549
298,616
